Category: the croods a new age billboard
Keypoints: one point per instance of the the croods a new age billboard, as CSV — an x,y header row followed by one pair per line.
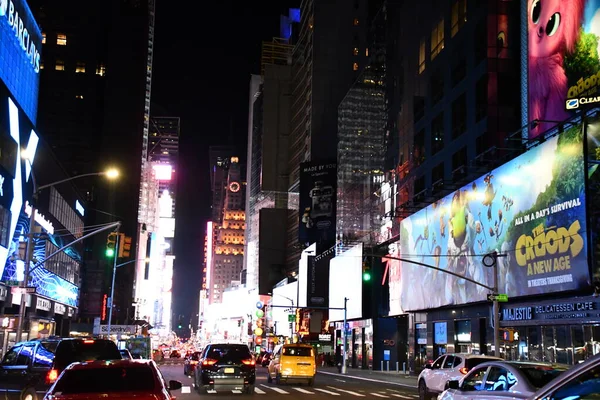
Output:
x,y
530,210
563,63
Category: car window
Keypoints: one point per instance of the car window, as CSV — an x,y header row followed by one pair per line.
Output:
x,y
43,356
584,386
229,351
449,362
106,380
25,356
457,361
474,381
11,357
472,362
299,351
69,351
500,379
438,363
539,376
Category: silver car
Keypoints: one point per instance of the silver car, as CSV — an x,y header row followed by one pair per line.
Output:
x,y
503,380
580,382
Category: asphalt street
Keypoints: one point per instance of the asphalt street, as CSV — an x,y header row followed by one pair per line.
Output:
x,y
326,385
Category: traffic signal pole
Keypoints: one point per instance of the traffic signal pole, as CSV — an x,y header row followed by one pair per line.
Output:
x,y
112,286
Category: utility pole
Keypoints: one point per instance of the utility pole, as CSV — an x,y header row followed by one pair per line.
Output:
x,y
28,257
112,286
344,336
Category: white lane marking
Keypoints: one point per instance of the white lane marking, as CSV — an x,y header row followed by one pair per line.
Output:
x,y
259,391
186,389
340,380
327,391
281,391
347,391
236,391
401,396
368,379
302,390
380,395
211,391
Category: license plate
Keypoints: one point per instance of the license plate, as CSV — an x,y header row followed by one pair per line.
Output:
x,y
229,370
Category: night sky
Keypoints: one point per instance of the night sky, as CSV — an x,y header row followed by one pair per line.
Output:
x,y
202,67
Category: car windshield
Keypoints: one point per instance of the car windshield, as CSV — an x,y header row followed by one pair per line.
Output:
x,y
300,351
70,351
106,380
539,376
230,351
472,362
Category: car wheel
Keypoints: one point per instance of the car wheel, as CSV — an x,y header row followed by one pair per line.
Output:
x,y
29,394
249,389
423,392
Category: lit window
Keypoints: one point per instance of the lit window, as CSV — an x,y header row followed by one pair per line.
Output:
x,y
437,38
459,16
355,51
355,66
80,68
422,56
60,65
79,96
355,21
43,38
367,52
101,70
61,39
41,65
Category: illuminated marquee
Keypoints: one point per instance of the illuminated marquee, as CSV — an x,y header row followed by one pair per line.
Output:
x,y
39,218
19,27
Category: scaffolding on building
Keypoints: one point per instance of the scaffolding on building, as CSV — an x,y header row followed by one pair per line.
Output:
x,y
276,52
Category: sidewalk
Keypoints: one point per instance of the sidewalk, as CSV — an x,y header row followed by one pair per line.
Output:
x,y
372,376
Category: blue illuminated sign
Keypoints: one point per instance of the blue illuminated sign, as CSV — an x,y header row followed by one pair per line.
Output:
x,y
20,46
52,286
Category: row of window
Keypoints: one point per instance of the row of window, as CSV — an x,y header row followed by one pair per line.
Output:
x,y
61,39
59,65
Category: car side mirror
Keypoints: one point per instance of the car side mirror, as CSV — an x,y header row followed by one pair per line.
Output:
x,y
174,385
452,384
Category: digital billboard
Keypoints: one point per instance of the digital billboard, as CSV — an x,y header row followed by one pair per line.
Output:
x,y
317,203
346,268
563,62
530,210
20,58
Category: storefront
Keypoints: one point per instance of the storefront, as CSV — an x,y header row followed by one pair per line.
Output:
x,y
563,330
359,342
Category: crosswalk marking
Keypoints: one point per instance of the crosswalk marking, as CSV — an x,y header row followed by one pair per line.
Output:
x,y
347,391
259,391
402,396
280,391
380,395
327,391
302,390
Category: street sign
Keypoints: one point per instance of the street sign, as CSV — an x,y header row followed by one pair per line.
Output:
x,y
291,317
502,298
21,290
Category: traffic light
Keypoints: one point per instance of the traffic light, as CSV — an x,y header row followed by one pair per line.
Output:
x,y
124,245
179,326
111,244
366,272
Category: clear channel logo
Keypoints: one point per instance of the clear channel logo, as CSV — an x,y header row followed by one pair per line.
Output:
x,y
572,104
3,7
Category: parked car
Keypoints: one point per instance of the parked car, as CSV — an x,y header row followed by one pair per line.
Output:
x,y
29,368
122,379
190,363
223,367
293,362
503,379
432,380
580,382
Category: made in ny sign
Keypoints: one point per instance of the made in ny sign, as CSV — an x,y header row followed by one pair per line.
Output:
x,y
10,11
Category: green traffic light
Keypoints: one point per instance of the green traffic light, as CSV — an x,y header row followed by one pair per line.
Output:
x,y
366,276
110,252
179,326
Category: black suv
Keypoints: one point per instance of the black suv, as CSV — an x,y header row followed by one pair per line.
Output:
x,y
29,368
225,367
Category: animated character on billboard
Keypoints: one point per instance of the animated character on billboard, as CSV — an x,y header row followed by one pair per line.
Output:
x,y
554,28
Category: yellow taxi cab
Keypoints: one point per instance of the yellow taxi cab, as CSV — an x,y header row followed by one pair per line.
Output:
x,y
293,362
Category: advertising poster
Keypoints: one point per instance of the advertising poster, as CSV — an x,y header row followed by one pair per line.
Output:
x,y
318,279
563,62
318,186
530,210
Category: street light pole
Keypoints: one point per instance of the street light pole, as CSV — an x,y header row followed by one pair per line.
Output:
x,y
112,286
344,336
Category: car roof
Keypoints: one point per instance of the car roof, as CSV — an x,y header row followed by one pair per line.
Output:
x,y
521,364
297,345
471,355
108,364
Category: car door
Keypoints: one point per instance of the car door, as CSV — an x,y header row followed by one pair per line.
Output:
x,y
435,380
7,385
275,363
584,385
448,371
18,373
472,386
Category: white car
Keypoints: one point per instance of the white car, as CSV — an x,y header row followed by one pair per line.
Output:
x,y
503,380
432,380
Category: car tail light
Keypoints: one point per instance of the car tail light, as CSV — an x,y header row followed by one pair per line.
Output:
x,y
209,361
249,361
51,376
464,370
88,341
193,362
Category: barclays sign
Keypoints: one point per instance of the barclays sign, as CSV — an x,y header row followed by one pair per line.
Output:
x,y
21,29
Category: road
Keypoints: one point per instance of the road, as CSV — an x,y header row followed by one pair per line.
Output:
x,y
326,385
